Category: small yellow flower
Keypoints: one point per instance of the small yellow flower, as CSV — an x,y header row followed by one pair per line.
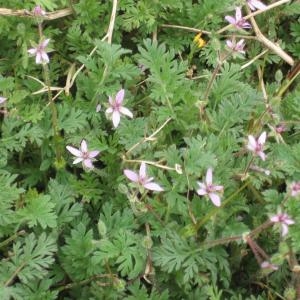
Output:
x,y
199,40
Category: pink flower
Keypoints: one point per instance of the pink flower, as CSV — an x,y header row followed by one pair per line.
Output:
x,y
2,100
267,265
142,179
255,4
116,108
38,11
239,22
236,47
284,220
256,145
295,188
208,188
281,128
83,155
41,56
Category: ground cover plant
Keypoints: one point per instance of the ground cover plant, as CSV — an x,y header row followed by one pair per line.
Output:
x,y
149,149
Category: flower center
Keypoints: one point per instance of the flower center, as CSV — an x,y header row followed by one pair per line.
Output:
x,y
116,106
85,155
258,147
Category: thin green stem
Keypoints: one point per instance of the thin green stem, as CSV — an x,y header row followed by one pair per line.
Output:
x,y
11,238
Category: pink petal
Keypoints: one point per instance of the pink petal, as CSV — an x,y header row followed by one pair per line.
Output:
x,y
88,164
289,221
201,192
74,151
143,170
120,96
250,5
83,146
116,118
238,13
262,138
257,4
209,176
45,43
131,175
275,219
93,153
153,187
38,58
32,51
109,110
215,199
77,160
126,111
229,44
262,155
110,100
218,187
202,186
230,19
240,43
45,57
251,143
285,229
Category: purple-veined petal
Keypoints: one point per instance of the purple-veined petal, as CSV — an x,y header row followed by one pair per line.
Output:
x,y
93,153
250,5
116,118
262,138
74,151
152,186
120,96
256,4
201,192
83,146
285,229
88,163
209,176
246,25
142,172
126,111
216,200
262,155
238,13
77,160
45,43
230,19
131,175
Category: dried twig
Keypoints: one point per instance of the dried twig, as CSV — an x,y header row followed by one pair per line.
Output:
x,y
25,13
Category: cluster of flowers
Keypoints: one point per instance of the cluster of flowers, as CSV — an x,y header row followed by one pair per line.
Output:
x,y
240,23
116,109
